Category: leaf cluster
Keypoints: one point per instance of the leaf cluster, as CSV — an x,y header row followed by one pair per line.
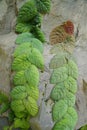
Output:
x,y
30,17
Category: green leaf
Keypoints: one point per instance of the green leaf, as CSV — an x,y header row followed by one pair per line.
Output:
x,y
62,125
58,92
71,84
18,92
4,107
32,55
23,49
72,69
31,106
19,78
21,123
83,127
70,99
24,37
21,114
27,11
32,43
6,128
32,91
68,122
37,20
36,58
20,63
23,27
3,97
73,117
32,76
35,43
37,32
59,110
58,61
43,6
59,75
17,106
11,116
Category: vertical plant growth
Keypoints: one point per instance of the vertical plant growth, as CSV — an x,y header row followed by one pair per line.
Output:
x,y
27,59
64,77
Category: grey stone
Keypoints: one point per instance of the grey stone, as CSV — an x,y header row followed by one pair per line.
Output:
x,y
7,16
7,44
20,3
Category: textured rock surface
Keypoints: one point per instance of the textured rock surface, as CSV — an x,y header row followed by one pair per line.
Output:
x,y
7,15
6,49
61,10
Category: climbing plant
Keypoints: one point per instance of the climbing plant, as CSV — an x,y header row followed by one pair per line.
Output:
x,y
64,76
27,59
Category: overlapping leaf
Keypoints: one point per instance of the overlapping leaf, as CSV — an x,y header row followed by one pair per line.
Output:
x,y
37,20
27,11
36,58
21,123
59,75
70,99
4,107
59,110
72,116
25,47
24,37
71,84
21,114
31,106
32,91
43,6
68,122
23,27
19,78
58,92
57,35
30,76
17,106
58,61
72,69
22,49
36,31
20,63
19,92
34,42
62,125
31,54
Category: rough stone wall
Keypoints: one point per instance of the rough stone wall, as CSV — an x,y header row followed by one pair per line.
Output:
x,y
7,15
61,10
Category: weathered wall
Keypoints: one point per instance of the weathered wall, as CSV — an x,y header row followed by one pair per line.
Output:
x,y
61,10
